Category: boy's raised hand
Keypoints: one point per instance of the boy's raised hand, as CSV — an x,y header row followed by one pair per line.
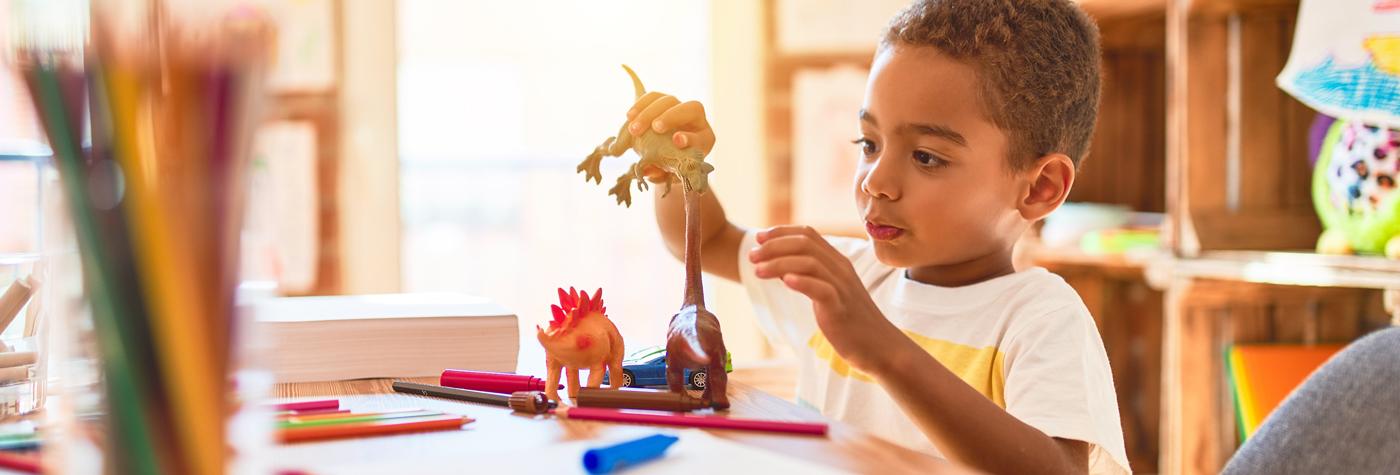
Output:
x,y
806,263
664,113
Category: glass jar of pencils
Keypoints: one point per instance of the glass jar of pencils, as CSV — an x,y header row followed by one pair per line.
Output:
x,y
25,178
148,108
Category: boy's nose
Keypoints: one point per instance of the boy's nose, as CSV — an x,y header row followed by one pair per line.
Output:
x,y
880,181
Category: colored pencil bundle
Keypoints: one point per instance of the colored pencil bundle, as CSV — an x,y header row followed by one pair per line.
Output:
x,y
321,424
156,195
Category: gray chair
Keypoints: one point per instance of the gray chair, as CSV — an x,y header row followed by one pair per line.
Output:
x,y
1343,419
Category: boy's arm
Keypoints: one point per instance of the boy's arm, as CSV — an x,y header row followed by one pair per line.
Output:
x,y
964,424
719,239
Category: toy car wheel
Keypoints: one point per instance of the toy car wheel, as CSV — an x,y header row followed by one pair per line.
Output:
x,y
699,379
627,379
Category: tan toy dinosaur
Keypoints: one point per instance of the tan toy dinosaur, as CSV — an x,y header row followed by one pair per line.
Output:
x,y
655,150
580,336
693,337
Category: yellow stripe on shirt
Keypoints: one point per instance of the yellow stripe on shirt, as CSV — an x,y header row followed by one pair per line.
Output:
x,y
980,368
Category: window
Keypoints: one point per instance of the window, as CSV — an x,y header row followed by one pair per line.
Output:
x,y
497,104
19,136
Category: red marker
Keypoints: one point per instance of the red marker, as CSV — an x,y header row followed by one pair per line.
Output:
x,y
504,383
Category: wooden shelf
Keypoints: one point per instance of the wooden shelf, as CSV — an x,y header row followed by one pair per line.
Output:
x,y
1103,10
1130,265
1282,268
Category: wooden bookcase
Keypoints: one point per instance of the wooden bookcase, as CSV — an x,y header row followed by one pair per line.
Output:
x,y
320,109
1238,181
1190,125
1240,219
319,106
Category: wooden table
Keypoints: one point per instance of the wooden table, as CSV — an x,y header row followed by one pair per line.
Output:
x,y
844,447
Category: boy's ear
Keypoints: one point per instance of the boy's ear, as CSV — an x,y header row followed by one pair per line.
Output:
x,y
1048,183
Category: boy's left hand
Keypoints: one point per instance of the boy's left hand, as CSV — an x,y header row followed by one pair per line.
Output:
x,y
847,316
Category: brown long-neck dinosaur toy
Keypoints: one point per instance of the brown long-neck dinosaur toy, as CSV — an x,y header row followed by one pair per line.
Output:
x,y
693,337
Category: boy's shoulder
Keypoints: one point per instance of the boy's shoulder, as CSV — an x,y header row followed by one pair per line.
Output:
x,y
1046,305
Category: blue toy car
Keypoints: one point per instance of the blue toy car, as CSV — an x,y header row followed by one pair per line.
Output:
x,y
647,367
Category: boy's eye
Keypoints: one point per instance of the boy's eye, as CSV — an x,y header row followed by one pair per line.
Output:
x,y
928,159
867,147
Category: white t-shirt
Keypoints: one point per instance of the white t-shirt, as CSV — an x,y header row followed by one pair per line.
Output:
x,y
1024,340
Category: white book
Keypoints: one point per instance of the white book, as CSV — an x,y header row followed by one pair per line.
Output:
x,y
382,336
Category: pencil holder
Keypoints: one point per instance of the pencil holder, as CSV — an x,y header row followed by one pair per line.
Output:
x,y
27,188
148,107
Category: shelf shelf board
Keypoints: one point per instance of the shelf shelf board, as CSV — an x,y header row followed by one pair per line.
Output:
x,y
1284,268
1126,265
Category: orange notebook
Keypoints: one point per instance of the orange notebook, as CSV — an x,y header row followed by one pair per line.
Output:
x,y
382,427
1261,376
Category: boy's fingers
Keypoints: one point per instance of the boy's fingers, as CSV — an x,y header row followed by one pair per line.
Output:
x,y
787,230
823,247
643,120
689,116
781,246
818,290
642,103
655,174
800,264
693,140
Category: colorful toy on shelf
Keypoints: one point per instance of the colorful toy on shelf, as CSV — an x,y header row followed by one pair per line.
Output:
x,y
693,337
1354,186
579,336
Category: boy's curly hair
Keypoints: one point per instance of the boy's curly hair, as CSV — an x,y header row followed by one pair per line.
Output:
x,y
1038,61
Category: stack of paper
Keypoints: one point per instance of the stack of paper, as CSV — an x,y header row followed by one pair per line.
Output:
x,y
1261,376
381,336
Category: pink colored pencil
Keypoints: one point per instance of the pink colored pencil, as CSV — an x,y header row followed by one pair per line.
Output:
x,y
308,405
691,420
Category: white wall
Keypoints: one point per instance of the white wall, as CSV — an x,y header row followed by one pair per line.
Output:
x,y
369,177
740,178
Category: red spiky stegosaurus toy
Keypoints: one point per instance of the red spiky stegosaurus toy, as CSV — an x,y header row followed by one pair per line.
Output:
x,y
580,336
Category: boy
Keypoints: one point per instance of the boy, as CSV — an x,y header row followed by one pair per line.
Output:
x,y
976,115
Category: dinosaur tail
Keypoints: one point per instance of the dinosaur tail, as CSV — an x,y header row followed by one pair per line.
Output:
x,y
636,82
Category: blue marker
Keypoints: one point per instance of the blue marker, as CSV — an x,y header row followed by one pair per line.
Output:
x,y
626,454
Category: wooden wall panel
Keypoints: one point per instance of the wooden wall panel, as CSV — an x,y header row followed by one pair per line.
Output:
x,y
1126,162
1236,143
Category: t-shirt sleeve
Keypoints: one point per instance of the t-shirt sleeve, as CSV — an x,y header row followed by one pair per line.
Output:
x,y
1058,381
784,315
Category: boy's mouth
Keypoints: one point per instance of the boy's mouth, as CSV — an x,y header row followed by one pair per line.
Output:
x,y
880,232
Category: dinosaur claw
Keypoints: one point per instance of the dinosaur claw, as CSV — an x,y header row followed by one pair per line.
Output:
x,y
589,168
622,190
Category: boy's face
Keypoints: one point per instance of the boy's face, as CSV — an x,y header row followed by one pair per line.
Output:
x,y
933,185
